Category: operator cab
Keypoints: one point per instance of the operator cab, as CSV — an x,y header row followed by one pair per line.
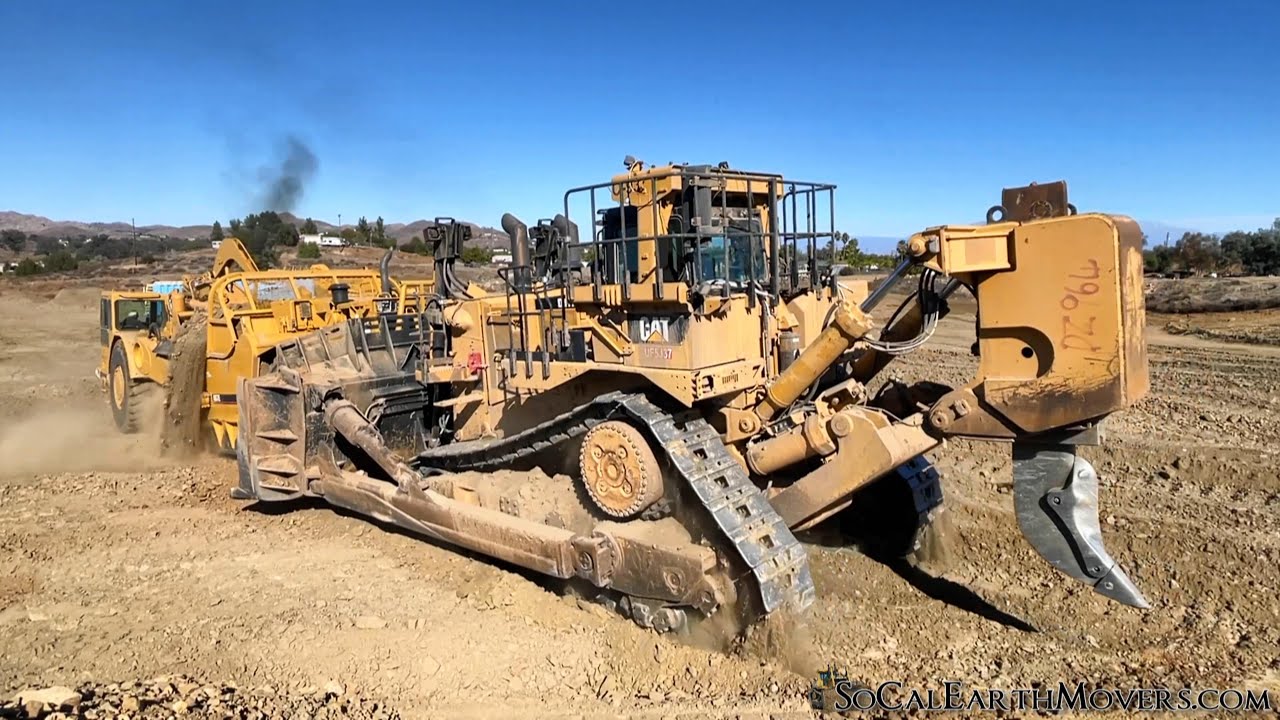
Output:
x,y
708,227
664,244
133,313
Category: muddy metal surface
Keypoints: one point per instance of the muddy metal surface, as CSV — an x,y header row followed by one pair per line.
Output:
x,y
139,587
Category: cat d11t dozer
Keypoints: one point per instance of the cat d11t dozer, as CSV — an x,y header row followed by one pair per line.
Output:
x,y
696,402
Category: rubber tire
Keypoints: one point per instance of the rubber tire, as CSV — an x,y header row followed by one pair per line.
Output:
x,y
127,416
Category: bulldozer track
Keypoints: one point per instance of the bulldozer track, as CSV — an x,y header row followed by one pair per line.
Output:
x,y
760,538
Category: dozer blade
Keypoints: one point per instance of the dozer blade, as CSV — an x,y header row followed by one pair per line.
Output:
x,y
1055,495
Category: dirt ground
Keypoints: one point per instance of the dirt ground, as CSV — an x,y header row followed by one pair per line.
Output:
x,y
1212,295
1236,310
117,568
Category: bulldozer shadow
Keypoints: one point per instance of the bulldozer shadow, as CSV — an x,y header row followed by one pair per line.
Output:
x,y
954,594
883,525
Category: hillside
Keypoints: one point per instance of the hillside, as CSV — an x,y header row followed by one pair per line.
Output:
x,y
39,225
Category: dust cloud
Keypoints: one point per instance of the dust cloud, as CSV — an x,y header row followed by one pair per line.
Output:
x,y
75,439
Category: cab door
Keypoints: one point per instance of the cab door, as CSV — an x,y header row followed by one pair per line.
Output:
x,y
104,322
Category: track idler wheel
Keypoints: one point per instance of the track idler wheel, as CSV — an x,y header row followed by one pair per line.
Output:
x,y
621,474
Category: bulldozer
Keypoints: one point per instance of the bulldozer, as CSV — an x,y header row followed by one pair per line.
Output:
x,y
708,392
224,324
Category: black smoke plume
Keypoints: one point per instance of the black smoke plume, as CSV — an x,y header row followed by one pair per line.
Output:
x,y
286,181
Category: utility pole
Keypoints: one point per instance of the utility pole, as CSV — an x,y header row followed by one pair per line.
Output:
x,y
133,246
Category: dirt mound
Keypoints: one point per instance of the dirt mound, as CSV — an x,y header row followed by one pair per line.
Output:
x,y
181,434
163,697
1210,327
1201,295
81,297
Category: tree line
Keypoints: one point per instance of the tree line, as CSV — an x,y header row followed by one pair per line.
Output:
x,y
1239,252
854,257
848,253
57,254
264,233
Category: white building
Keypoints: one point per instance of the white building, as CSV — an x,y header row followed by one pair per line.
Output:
x,y
501,259
323,240
215,244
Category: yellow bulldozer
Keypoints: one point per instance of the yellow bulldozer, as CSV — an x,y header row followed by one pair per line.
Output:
x,y
184,346
709,390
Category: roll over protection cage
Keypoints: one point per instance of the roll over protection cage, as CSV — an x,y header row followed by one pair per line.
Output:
x,y
795,220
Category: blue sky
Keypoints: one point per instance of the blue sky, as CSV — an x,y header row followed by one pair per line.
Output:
x,y
920,112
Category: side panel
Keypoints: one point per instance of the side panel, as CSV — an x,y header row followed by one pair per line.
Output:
x,y
1061,335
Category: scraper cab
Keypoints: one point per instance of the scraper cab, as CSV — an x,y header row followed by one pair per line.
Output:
x,y
707,391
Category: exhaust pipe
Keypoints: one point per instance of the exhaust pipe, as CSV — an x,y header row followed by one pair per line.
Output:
x,y
384,270
519,234
566,227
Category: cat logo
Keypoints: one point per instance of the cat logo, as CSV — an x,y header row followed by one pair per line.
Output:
x,y
654,330
657,329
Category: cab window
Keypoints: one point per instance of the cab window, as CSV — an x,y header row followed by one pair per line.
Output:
x,y
139,314
730,258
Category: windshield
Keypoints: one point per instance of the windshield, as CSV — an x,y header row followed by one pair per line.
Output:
x,y
261,292
139,314
266,291
738,260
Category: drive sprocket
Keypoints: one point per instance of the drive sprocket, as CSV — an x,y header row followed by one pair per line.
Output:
x,y
621,474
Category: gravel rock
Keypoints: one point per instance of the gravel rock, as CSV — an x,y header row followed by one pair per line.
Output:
x,y
56,697
187,697
370,622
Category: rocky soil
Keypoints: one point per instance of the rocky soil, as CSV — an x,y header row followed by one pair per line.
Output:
x,y
131,585
168,696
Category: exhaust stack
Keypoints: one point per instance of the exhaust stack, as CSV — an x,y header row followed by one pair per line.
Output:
x,y
384,268
519,234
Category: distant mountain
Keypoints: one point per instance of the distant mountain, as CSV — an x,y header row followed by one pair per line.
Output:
x,y
483,236
39,225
